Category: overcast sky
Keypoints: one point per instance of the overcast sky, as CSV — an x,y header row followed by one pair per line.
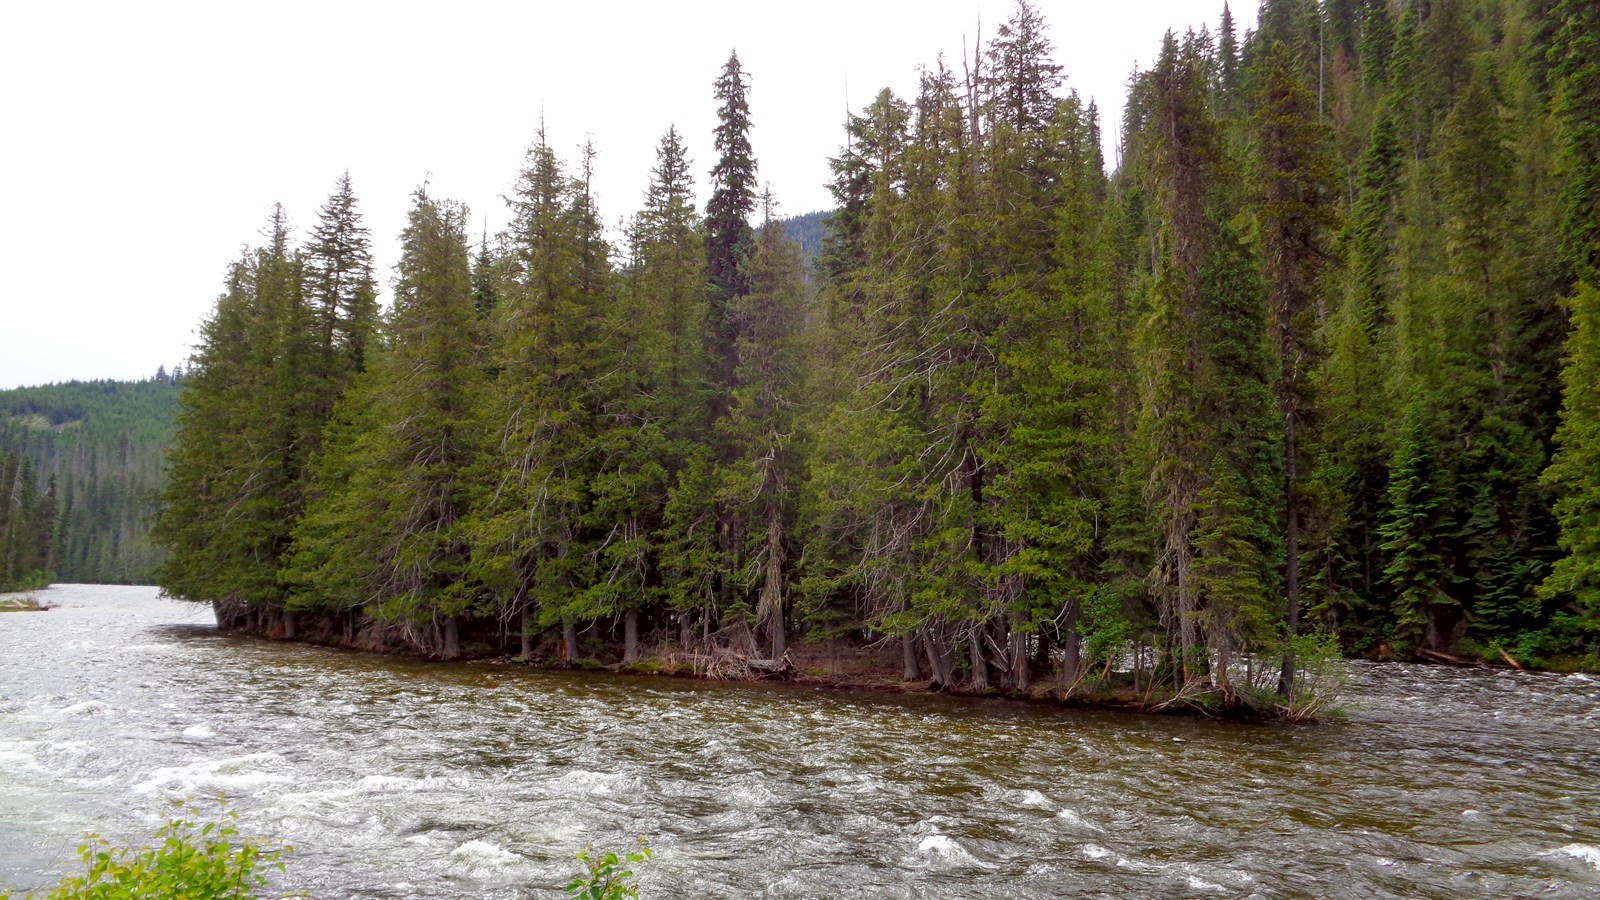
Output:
x,y
144,143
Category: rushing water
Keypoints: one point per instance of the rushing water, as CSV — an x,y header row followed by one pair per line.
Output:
x,y
397,778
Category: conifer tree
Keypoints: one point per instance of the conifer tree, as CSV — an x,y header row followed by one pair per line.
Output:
x,y
340,288
729,238
766,472
1182,147
1416,571
236,480
537,553
655,411
391,488
1575,66
1296,209
1237,612
1377,43
1574,473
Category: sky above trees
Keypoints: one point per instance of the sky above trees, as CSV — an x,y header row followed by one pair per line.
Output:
x,y
145,144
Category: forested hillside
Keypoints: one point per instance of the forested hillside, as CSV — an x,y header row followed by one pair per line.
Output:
x,y
27,525
102,445
808,230
1292,374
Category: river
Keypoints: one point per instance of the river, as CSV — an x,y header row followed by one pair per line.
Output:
x,y
400,778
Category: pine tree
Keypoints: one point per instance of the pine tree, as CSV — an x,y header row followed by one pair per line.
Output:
x,y
729,238
1296,209
1411,534
341,290
1182,147
1575,64
1237,612
384,531
762,427
1477,168
533,548
485,292
1574,473
237,477
1377,43
655,408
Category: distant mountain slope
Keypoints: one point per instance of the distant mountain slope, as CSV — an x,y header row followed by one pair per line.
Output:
x,y
103,442
808,231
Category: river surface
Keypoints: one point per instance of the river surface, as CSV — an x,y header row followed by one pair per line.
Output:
x,y
397,778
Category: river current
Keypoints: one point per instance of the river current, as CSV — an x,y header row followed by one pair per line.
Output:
x,y
400,778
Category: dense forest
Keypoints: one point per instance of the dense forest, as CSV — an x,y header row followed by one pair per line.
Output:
x,y
97,448
27,525
1316,361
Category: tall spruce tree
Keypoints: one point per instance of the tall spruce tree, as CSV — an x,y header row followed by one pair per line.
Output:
x,y
1296,207
1575,65
729,237
383,531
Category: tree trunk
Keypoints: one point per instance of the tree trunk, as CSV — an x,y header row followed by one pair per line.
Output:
x,y
630,637
452,638
940,665
1071,651
527,633
908,655
1021,677
569,641
1291,559
980,668
771,606
288,625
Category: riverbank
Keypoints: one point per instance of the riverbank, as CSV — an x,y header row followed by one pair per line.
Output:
x,y
1136,686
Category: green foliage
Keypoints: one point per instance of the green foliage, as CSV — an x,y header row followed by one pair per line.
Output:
x,y
27,526
605,876
1574,472
102,444
193,860
1319,682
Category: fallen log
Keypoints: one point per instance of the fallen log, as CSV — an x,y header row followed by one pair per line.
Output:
x,y
1450,660
1508,658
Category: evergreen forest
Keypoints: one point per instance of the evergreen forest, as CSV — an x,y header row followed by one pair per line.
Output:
x,y
1313,363
27,526
96,450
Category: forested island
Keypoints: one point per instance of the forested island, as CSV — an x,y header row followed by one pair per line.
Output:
x,y
1313,364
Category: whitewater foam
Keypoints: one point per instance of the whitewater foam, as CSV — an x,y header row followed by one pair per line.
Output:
x,y
1588,853
1036,800
238,774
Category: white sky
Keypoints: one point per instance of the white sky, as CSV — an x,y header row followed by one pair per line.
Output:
x,y
143,143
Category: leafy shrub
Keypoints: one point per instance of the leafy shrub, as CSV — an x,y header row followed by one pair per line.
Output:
x,y
193,861
605,879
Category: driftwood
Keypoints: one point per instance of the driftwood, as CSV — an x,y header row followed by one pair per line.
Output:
x,y
720,664
1450,660
1508,658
